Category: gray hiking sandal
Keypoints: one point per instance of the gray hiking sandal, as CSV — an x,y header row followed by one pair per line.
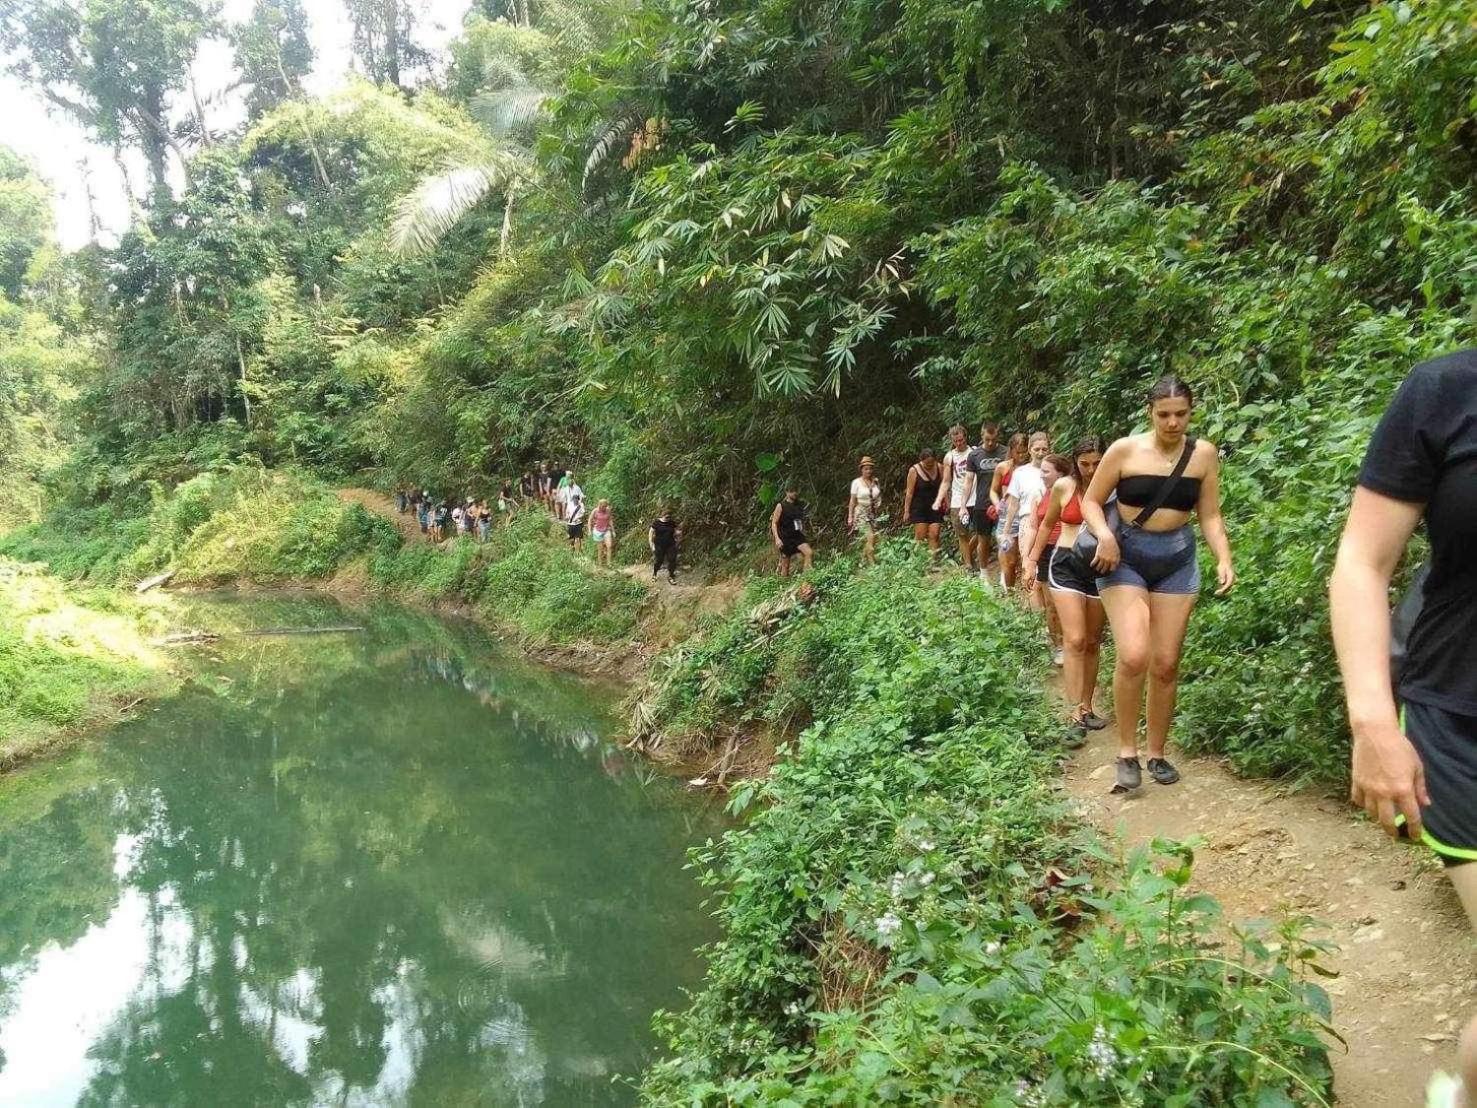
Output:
x,y
1094,722
1160,770
1130,775
1076,734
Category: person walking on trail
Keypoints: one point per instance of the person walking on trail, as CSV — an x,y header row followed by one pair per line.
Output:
x,y
919,495
401,499
979,494
864,508
565,479
1017,453
951,494
574,514
602,530
1025,486
423,513
1148,575
664,536
484,520
459,520
1072,584
1414,766
1033,514
787,529
442,518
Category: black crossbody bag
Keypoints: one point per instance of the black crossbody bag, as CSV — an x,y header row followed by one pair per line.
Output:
x,y
1085,547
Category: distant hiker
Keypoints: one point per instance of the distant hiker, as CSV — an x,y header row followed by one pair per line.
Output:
x,y
919,495
951,494
664,537
1017,453
1415,731
459,520
442,519
980,465
545,484
401,499
574,514
1072,584
1025,487
787,528
602,531
526,487
1033,514
563,480
505,498
863,508
484,521
1148,575
423,513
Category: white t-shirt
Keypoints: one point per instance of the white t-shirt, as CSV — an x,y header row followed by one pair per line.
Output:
x,y
1028,486
865,492
959,474
574,500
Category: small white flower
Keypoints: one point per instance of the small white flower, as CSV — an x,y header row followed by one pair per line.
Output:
x,y
888,925
925,844
792,1008
1100,1054
926,880
992,948
895,884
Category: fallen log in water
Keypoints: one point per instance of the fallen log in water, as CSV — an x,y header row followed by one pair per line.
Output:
x,y
187,637
154,582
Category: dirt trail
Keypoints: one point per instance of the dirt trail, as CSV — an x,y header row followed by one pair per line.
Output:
x,y
1406,957
380,504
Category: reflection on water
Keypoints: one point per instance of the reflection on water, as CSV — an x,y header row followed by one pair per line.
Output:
x,y
371,869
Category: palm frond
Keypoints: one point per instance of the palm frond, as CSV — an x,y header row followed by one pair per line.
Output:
x,y
611,138
441,201
508,110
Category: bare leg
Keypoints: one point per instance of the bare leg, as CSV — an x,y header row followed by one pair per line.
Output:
x,y
1053,617
935,544
1464,881
1169,615
1127,607
1093,651
1010,562
1071,607
805,555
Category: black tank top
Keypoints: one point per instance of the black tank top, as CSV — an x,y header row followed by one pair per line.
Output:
x,y
792,517
926,491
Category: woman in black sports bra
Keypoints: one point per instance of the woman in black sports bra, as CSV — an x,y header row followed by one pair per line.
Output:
x,y
918,497
1148,574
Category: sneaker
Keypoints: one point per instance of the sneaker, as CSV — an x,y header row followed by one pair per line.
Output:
x,y
1130,774
1057,658
1160,770
1443,1091
1094,722
1076,734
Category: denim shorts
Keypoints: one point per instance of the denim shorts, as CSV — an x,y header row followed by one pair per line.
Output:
x,y
1157,561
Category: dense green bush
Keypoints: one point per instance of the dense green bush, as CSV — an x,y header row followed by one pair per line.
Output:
x,y
910,915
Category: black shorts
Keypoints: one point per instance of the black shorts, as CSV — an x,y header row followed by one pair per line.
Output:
x,y
1066,572
576,530
1447,745
925,514
1043,568
790,546
984,526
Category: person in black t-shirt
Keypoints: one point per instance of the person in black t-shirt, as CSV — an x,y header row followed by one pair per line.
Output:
x,y
664,536
1416,765
787,528
981,464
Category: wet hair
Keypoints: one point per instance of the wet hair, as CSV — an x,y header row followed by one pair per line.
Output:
x,y
1060,464
1016,446
1168,387
1088,444
958,429
925,454
1042,435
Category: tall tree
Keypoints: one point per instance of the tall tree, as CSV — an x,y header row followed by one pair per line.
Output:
x,y
384,43
25,219
273,52
110,64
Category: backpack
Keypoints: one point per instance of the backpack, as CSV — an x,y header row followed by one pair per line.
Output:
x,y
1403,621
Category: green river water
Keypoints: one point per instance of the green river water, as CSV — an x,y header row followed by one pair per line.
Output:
x,y
401,866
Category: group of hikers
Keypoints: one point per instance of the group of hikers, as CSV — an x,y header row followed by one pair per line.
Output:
x,y
1099,536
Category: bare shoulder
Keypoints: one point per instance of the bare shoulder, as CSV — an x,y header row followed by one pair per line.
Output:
x,y
1207,452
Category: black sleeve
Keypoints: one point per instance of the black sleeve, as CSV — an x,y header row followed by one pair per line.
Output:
x,y
1406,453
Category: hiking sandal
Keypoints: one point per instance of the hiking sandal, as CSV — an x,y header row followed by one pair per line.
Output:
x,y
1076,734
1130,775
1160,770
1093,722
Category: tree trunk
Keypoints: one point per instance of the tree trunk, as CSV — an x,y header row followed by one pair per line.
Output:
x,y
502,243
307,131
392,41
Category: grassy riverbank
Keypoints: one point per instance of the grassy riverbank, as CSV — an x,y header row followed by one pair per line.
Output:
x,y
276,527
912,915
71,660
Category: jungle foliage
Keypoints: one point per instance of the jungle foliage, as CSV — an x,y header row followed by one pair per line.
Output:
x,y
910,915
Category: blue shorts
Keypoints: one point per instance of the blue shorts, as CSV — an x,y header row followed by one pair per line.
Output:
x,y
1156,561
